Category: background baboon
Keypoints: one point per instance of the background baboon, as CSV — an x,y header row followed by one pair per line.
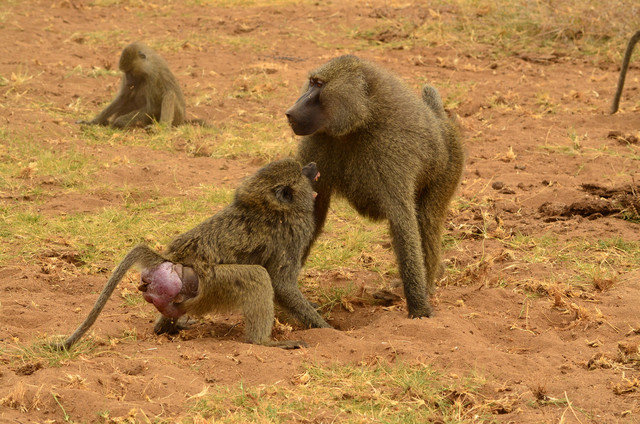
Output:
x,y
390,154
240,258
623,70
148,92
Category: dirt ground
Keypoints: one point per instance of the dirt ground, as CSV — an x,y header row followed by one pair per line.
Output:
x,y
568,345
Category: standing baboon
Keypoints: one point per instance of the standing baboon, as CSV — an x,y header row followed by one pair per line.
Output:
x,y
623,71
240,258
390,154
149,92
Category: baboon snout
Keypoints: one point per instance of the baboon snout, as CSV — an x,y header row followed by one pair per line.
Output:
x,y
290,117
295,121
310,171
306,116
303,119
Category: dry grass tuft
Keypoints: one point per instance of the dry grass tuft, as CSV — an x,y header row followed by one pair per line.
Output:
x,y
626,386
601,360
23,398
628,348
539,392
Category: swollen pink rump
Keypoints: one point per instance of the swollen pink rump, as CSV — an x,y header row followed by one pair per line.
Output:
x,y
167,285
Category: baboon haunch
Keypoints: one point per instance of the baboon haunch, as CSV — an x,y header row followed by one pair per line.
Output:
x,y
148,92
167,285
623,70
241,258
392,155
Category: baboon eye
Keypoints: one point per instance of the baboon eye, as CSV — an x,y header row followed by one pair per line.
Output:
x,y
284,194
142,55
316,82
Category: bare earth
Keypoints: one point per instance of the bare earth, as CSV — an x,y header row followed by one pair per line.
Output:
x,y
487,321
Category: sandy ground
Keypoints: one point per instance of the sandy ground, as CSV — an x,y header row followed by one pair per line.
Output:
x,y
563,343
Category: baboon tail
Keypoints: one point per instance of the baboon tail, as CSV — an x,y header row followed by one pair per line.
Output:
x,y
623,71
431,98
139,254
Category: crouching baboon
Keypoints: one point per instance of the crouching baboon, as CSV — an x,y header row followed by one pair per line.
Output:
x,y
623,71
148,92
390,154
241,258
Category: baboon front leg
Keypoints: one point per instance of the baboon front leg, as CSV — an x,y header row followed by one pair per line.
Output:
x,y
320,209
168,108
132,119
407,246
103,117
290,298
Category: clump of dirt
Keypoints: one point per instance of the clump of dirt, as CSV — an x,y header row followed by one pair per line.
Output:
x,y
622,201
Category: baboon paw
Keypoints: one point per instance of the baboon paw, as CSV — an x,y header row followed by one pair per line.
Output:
x,y
171,326
425,312
294,344
289,344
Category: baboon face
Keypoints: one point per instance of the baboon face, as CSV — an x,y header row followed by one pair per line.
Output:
x,y
133,63
306,115
310,171
336,99
280,186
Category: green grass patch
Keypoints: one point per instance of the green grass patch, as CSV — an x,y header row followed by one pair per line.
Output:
x,y
25,160
259,137
346,238
256,138
587,262
506,28
332,296
94,72
43,352
352,394
106,235
246,3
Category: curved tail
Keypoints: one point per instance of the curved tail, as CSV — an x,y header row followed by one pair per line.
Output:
x,y
623,71
140,254
432,99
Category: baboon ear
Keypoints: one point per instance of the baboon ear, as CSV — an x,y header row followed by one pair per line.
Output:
x,y
284,194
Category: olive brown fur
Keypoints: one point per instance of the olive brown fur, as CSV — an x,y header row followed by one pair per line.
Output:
x,y
148,92
244,256
391,154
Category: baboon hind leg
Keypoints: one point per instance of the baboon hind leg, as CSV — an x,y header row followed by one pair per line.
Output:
x,y
432,212
405,234
246,287
166,325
